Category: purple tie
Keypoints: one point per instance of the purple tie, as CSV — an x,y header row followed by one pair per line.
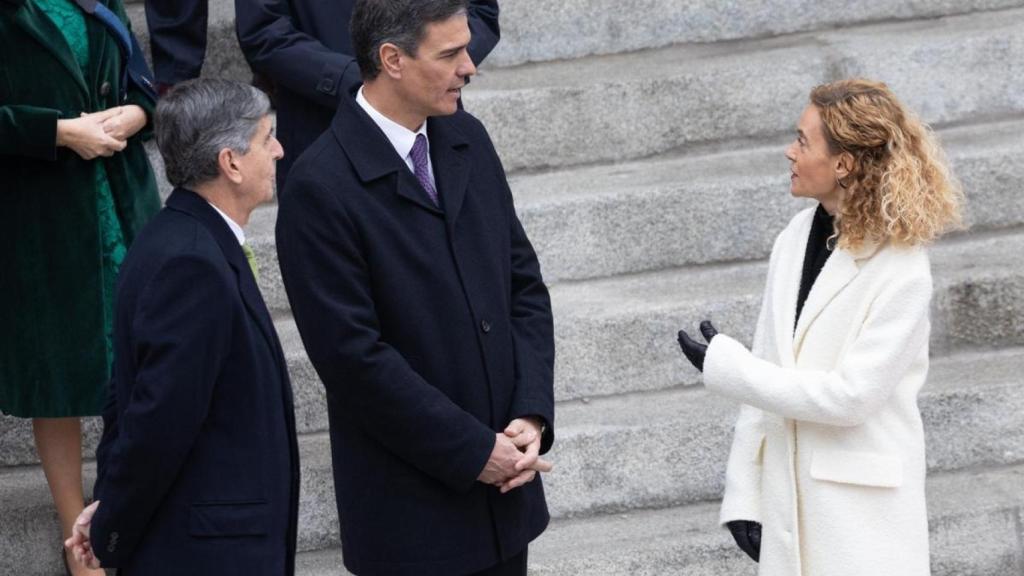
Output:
x,y
419,164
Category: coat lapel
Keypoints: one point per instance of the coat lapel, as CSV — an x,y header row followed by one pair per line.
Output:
x,y
840,268
449,150
372,155
40,27
194,205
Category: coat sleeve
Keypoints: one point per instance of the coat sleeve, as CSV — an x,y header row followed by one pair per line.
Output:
x,y
894,331
532,324
742,497
301,63
135,95
484,27
181,334
29,131
329,288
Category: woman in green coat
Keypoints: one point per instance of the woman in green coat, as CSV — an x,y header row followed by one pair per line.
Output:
x,y
75,187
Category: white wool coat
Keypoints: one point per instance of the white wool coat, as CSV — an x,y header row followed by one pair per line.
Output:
x,y
828,452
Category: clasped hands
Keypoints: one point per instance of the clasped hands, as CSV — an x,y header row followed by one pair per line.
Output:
x,y
515,459
80,544
101,133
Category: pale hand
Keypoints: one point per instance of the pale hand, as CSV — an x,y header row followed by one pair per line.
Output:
x,y
79,544
126,123
87,137
502,463
525,433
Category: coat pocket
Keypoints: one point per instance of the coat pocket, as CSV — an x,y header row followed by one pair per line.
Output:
x,y
220,519
861,468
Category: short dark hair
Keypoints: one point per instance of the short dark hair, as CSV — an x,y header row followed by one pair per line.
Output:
x,y
399,22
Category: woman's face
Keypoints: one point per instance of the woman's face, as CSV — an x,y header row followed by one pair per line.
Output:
x,y
815,170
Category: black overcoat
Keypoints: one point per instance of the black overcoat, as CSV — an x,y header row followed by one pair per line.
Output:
x,y
431,329
304,48
198,465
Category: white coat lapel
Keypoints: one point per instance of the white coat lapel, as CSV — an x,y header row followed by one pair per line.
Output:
x,y
840,268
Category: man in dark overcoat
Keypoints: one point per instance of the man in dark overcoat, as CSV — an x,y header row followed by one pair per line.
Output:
x,y
304,49
421,304
198,464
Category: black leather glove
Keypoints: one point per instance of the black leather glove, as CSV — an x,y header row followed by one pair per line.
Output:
x,y
694,350
747,535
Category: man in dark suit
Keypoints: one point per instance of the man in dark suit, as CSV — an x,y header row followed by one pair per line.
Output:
x,y
198,464
303,47
421,304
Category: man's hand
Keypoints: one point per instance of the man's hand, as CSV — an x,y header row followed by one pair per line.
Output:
x,y
525,433
126,123
87,137
79,544
502,464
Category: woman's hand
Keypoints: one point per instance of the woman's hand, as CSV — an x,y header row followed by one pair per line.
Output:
x,y
126,122
695,351
747,535
87,137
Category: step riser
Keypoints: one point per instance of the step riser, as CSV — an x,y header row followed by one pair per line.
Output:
x,y
945,74
540,30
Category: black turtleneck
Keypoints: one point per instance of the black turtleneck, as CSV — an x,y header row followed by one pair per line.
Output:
x,y
815,256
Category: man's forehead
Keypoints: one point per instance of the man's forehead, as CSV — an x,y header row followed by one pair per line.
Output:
x,y
449,33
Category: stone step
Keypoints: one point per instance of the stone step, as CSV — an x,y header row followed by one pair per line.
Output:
x,y
541,30
692,208
975,524
544,30
617,335
972,407
626,106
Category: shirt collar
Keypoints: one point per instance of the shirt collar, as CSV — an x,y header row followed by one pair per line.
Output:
x,y
401,138
235,228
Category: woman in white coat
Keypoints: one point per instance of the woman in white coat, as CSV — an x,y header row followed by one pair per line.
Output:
x,y
826,476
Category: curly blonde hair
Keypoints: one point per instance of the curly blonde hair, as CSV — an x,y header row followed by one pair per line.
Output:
x,y
900,187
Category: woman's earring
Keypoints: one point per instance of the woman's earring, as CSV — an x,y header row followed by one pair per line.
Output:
x,y
842,185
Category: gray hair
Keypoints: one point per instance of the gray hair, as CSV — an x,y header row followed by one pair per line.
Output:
x,y
399,22
198,119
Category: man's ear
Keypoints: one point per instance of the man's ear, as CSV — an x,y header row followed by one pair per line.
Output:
x,y
391,60
227,161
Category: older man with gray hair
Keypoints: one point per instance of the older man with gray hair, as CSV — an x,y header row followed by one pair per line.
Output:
x,y
198,465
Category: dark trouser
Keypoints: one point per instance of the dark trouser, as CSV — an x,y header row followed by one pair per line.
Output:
x,y
177,37
514,566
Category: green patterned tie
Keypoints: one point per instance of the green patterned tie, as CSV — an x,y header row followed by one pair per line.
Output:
x,y
251,257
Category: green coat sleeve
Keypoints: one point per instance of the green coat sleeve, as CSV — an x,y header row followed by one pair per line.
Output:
x,y
29,131
136,96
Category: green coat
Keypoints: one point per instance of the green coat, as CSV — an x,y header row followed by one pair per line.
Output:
x,y
53,357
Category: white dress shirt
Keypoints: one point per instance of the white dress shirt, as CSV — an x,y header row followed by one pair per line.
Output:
x,y
401,138
235,228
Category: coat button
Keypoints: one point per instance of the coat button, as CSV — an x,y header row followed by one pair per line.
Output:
x,y
485,326
326,86
105,89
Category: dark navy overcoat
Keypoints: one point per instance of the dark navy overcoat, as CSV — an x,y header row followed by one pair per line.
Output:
x,y
431,329
198,465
